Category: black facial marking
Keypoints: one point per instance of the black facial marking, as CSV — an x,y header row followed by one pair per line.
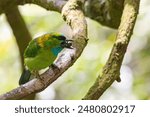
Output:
x,y
62,37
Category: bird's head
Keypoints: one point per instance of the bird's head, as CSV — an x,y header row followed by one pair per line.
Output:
x,y
62,41
52,40
55,42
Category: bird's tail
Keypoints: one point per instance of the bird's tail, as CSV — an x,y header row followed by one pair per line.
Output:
x,y
25,77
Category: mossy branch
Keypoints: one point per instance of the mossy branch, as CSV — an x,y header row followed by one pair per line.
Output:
x,y
111,70
74,16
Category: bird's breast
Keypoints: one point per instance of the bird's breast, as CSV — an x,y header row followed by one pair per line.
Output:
x,y
43,59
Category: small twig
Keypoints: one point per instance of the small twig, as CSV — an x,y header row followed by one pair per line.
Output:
x,y
74,16
111,71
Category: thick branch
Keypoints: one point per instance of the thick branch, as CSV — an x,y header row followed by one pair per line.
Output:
x,y
19,29
106,12
74,16
111,70
55,5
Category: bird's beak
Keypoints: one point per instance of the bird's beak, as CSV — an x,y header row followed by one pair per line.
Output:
x,y
67,44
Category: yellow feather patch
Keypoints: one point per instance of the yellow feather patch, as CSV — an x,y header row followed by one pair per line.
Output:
x,y
42,39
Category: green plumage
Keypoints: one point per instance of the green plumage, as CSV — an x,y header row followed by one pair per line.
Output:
x,y
42,51
32,49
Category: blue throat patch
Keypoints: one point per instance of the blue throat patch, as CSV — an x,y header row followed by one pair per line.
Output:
x,y
56,50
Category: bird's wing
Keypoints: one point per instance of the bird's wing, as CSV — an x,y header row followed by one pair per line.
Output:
x,y
32,50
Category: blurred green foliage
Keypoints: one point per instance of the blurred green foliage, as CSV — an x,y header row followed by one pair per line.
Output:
x,y
76,81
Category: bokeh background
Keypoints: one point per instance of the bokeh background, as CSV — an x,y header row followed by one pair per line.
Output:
x,y
75,82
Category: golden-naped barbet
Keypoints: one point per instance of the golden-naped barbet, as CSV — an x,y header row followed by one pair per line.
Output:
x,y
41,53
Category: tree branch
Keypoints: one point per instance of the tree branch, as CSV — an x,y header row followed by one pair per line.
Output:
x,y
106,12
111,70
20,30
74,16
55,5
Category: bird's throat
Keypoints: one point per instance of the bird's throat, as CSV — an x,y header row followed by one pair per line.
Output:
x,y
56,50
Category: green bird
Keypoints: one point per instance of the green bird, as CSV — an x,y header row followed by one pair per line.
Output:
x,y
41,53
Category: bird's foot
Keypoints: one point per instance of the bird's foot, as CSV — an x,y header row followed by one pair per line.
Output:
x,y
54,67
36,74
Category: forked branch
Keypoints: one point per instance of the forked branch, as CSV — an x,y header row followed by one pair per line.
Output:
x,y
111,70
73,15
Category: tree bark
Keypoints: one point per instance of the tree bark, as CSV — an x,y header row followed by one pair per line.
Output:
x,y
111,70
106,12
